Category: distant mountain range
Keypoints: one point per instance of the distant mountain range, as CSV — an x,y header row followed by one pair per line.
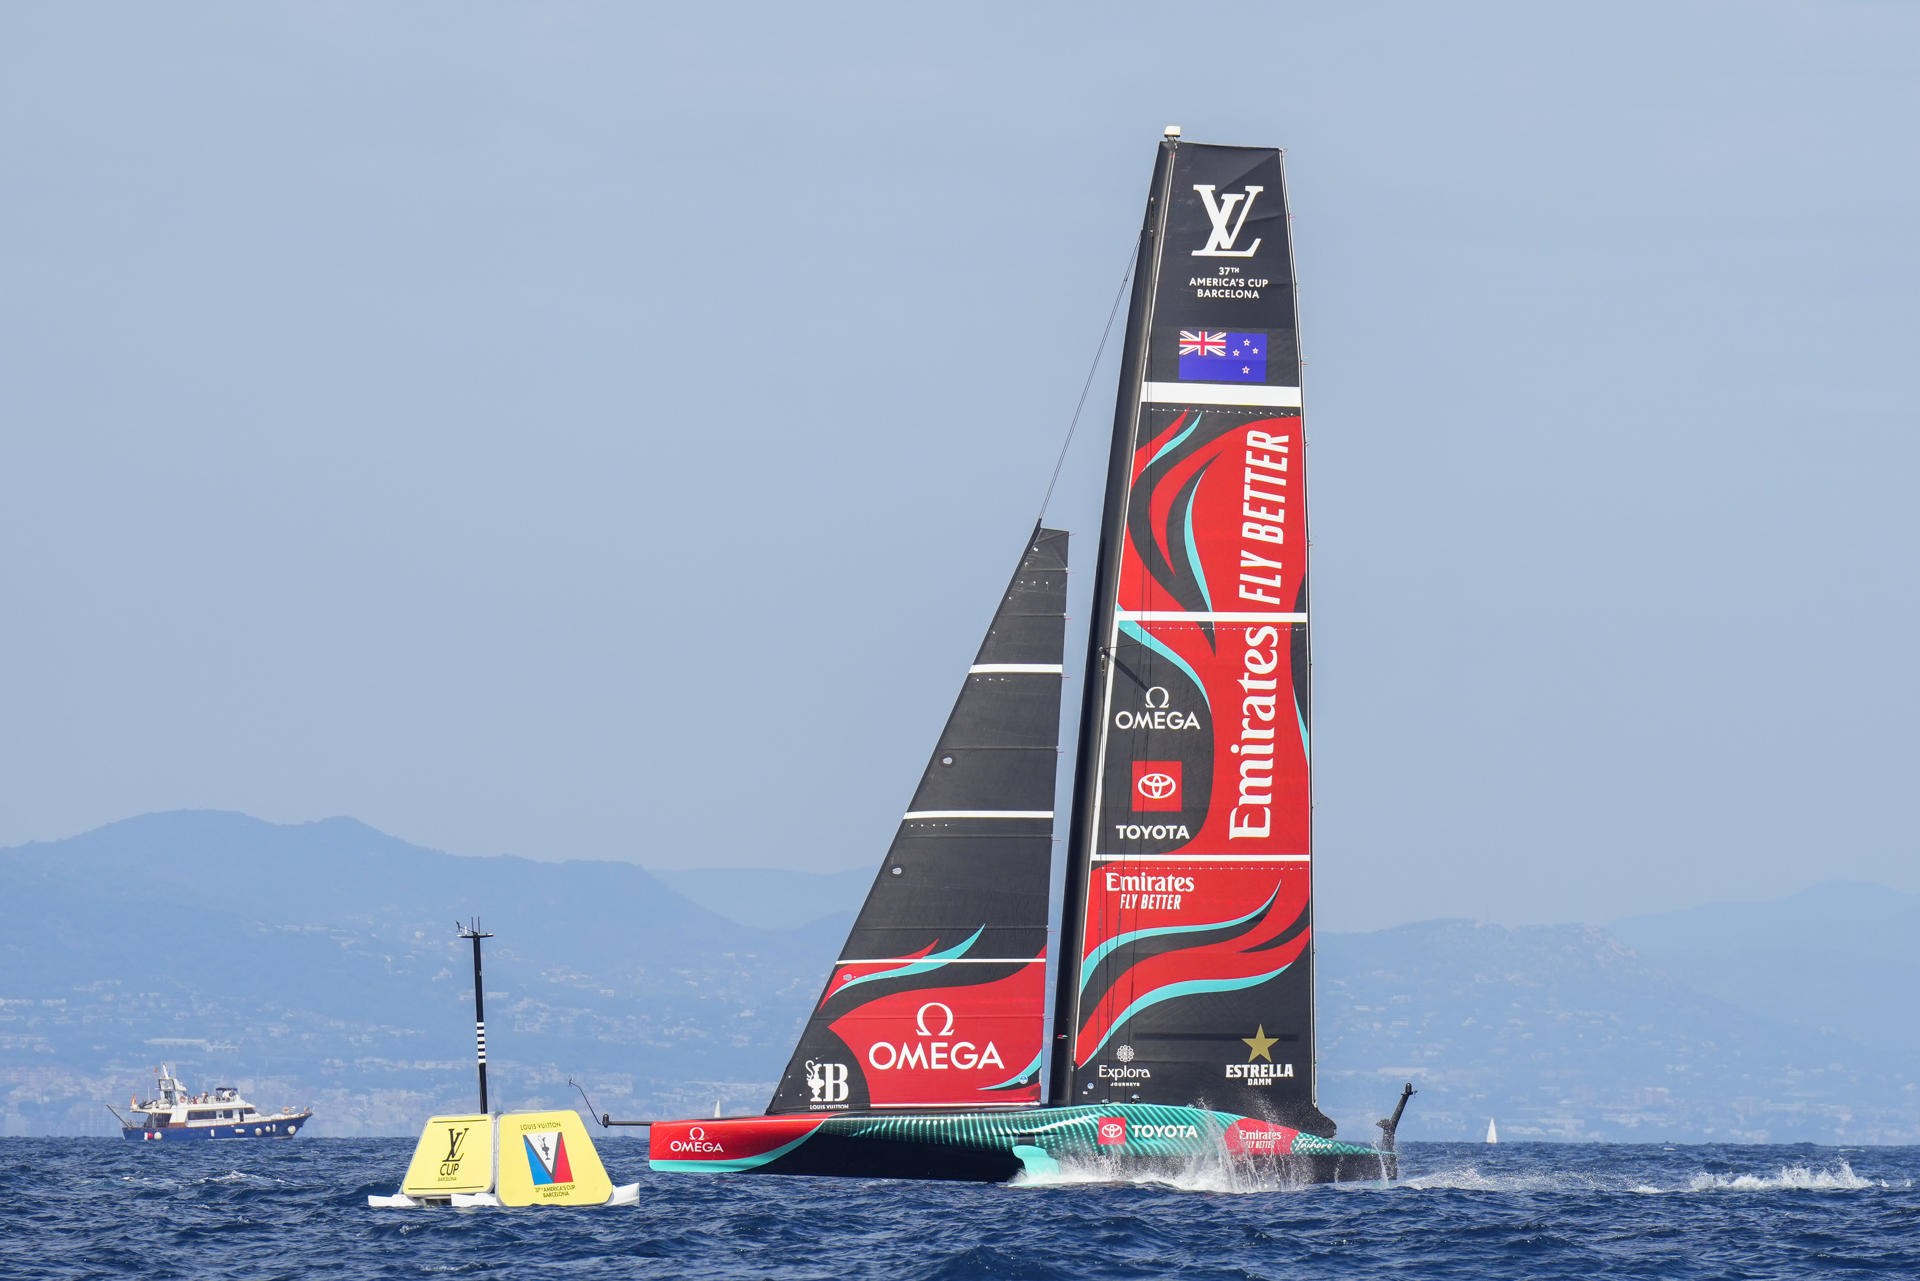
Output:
x,y
317,963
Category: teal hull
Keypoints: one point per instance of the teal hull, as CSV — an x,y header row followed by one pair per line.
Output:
x,y
1123,1140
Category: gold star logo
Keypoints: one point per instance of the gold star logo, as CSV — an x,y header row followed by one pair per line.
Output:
x,y
1260,1045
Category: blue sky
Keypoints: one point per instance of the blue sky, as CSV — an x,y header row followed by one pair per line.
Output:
x,y
602,431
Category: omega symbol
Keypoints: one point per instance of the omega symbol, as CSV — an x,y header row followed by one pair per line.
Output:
x,y
920,1019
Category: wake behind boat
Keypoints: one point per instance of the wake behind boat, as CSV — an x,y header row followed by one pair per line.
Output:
x,y
1183,1008
220,1113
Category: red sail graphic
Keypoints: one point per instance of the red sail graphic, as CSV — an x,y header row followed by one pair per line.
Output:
x,y
937,1046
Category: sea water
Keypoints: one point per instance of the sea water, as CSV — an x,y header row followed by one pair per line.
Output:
x,y
108,1208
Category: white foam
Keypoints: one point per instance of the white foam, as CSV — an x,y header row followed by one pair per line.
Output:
x,y
240,1176
1218,1176
1472,1179
1838,1177
1200,1174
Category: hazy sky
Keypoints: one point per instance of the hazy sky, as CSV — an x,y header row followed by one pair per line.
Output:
x,y
602,431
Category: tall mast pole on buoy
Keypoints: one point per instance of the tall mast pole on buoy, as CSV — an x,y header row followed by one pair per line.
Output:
x,y
471,930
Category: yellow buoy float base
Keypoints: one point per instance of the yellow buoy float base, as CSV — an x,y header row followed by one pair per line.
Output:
x,y
516,1158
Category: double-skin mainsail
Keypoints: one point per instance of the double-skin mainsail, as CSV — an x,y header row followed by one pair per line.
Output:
x,y
1189,881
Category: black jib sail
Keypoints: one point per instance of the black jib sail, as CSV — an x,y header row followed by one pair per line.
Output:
x,y
1187,972
939,995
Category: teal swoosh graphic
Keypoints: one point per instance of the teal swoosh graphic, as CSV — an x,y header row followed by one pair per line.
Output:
x,y
1193,552
931,961
1025,1072
1192,987
1140,634
1088,966
1168,447
1305,751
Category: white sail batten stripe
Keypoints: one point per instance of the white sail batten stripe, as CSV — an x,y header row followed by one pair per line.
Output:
x,y
956,960
979,814
1052,668
1200,616
1220,394
1204,858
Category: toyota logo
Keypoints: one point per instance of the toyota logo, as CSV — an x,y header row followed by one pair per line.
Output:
x,y
1156,787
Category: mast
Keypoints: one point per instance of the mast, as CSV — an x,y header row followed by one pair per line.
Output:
x,y
1186,961
1096,694
471,930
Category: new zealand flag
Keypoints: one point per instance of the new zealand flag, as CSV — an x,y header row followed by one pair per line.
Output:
x,y
1216,356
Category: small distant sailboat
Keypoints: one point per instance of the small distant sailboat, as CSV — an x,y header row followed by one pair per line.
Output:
x,y
1493,1135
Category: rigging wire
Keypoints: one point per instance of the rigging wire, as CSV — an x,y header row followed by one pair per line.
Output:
x,y
1133,252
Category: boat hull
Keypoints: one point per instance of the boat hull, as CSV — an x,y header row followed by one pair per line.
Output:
x,y
273,1127
1121,1141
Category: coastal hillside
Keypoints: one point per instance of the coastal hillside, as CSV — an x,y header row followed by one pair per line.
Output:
x,y
317,963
